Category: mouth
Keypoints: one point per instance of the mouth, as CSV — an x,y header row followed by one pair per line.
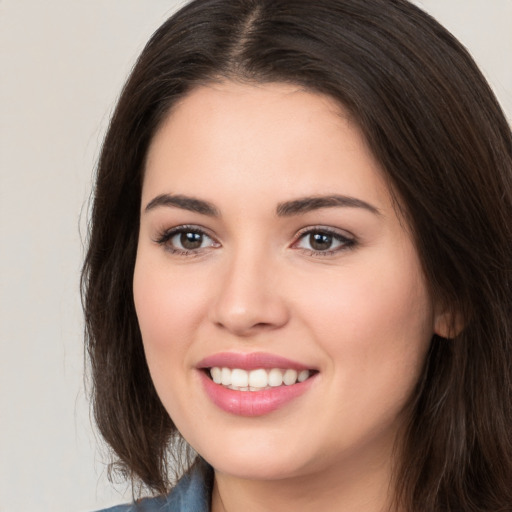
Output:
x,y
254,384
238,379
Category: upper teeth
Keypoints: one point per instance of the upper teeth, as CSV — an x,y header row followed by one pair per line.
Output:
x,y
255,380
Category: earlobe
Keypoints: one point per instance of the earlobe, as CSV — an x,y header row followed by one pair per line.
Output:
x,y
448,324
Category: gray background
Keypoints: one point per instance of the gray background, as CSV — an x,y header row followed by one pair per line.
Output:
x,y
62,64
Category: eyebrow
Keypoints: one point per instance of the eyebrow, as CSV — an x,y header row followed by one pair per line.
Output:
x,y
307,204
285,209
185,203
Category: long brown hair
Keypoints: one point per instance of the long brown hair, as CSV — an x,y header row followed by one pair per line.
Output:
x,y
438,132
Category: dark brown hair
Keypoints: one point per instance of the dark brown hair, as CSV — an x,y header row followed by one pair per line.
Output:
x,y
438,132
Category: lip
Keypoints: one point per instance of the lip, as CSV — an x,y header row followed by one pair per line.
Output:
x,y
252,403
250,361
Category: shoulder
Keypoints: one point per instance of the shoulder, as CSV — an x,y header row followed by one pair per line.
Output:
x,y
191,494
146,505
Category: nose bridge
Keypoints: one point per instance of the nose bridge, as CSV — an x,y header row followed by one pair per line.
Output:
x,y
249,299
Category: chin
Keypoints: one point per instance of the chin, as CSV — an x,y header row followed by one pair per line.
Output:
x,y
262,459
257,468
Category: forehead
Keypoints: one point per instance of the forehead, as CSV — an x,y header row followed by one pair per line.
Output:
x,y
252,136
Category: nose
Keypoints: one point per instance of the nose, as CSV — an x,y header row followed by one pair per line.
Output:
x,y
249,299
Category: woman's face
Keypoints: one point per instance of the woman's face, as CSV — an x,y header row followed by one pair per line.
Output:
x,y
269,249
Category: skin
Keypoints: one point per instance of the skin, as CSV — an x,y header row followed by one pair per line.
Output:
x,y
359,313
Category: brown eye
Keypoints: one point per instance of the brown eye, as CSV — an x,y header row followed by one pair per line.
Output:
x,y
190,241
186,240
320,241
323,242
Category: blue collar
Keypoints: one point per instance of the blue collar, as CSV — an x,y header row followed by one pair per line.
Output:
x,y
194,490
192,494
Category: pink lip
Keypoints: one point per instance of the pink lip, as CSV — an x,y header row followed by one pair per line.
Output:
x,y
251,403
250,361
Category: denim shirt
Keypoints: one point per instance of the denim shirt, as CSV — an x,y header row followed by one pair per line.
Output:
x,y
191,494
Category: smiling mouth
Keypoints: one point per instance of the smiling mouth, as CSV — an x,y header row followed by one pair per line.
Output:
x,y
259,379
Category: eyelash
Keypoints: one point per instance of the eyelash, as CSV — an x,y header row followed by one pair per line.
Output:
x,y
345,242
166,236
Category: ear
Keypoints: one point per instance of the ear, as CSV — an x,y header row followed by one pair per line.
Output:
x,y
447,323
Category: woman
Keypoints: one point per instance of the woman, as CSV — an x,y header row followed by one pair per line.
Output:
x,y
300,264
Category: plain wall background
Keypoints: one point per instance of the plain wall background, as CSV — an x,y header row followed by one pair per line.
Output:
x,y
62,65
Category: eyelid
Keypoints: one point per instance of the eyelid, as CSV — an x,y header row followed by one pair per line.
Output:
x,y
325,229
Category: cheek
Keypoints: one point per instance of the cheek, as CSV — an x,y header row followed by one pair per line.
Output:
x,y
168,304
165,315
375,325
167,307
369,306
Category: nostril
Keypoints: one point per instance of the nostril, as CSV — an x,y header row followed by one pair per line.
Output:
x,y
248,305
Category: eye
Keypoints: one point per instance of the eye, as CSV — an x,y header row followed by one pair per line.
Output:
x,y
186,240
323,241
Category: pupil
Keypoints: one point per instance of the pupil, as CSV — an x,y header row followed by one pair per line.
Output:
x,y
320,241
191,240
